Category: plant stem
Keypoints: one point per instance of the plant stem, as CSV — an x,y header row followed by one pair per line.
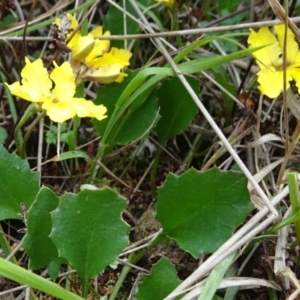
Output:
x,y
5,245
11,104
154,170
133,259
120,280
292,179
28,132
31,109
188,159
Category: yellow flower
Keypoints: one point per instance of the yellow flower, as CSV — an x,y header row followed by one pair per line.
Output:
x,y
168,3
106,69
84,47
58,102
91,58
270,61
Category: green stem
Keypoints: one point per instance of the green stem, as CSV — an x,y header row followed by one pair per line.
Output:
x,y
188,159
132,259
154,170
76,123
272,293
93,291
175,26
11,103
28,132
287,221
141,254
93,162
295,202
31,109
126,269
4,245
105,147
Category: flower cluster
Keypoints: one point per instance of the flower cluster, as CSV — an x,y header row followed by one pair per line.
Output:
x,y
92,59
58,101
270,59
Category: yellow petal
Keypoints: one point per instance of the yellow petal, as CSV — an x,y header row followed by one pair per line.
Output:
x,y
74,40
296,62
115,56
271,81
295,74
100,47
121,77
74,22
291,46
64,80
82,47
98,112
22,91
58,111
269,55
85,108
98,31
105,74
75,37
35,82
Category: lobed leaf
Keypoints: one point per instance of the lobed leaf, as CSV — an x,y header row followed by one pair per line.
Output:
x,y
160,282
200,210
18,184
37,243
89,232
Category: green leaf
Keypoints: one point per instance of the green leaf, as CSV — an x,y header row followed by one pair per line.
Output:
x,y
229,5
18,184
200,210
141,84
37,243
138,122
160,282
72,154
129,121
54,267
65,133
108,95
89,232
222,77
177,108
3,135
51,138
7,20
